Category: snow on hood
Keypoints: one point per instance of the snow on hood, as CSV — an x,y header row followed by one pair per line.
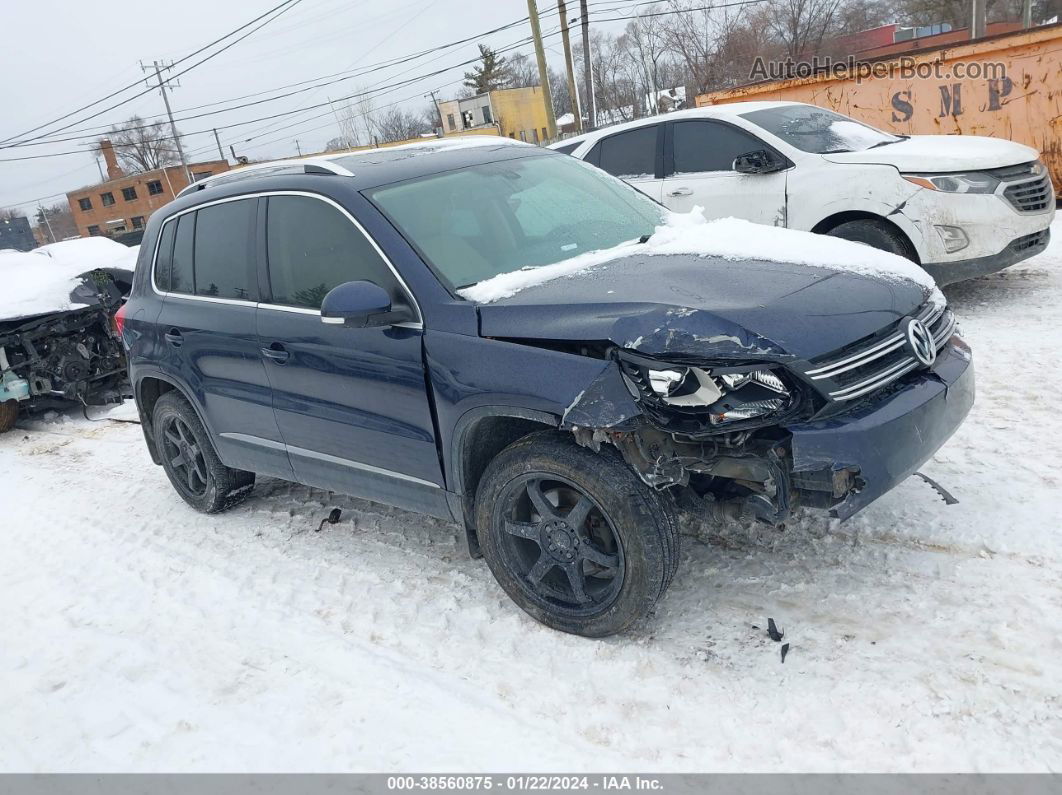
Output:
x,y
41,281
942,153
729,238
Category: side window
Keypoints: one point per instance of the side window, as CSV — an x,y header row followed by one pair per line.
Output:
x,y
631,153
313,247
223,234
567,149
708,146
181,280
164,258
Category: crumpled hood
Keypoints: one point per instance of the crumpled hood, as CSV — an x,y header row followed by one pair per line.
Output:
x,y
937,153
706,307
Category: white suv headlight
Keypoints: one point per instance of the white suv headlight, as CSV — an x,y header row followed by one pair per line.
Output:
x,y
960,182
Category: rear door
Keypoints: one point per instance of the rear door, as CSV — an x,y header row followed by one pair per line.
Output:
x,y
699,167
635,156
352,404
209,284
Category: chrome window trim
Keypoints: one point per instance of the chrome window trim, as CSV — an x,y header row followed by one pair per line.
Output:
x,y
415,324
327,457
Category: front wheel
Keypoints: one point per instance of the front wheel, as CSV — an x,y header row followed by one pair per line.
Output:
x,y
8,415
574,537
876,234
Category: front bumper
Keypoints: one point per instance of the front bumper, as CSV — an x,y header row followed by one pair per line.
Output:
x,y
1019,249
888,440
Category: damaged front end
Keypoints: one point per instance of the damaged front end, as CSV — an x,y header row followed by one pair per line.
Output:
x,y
61,358
711,432
753,440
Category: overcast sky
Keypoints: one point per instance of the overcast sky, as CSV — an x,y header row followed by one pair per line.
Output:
x,y
57,56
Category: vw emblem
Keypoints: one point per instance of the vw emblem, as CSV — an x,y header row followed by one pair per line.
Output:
x,y
921,342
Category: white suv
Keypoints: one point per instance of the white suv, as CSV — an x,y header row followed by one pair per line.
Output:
x,y
960,206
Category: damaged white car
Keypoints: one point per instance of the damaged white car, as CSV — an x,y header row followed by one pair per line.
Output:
x,y
58,341
959,206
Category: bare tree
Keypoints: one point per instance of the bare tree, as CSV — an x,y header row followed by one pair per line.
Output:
x,y
523,71
60,219
10,213
799,25
357,123
399,125
141,146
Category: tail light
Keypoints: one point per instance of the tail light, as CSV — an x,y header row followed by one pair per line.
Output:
x,y
118,321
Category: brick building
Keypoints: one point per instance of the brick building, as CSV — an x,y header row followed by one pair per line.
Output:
x,y
125,202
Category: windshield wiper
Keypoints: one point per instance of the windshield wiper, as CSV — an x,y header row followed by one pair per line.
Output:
x,y
886,143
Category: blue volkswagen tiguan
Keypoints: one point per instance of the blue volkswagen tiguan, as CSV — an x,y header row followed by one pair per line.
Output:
x,y
304,321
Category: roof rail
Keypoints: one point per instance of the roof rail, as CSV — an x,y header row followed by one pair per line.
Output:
x,y
309,165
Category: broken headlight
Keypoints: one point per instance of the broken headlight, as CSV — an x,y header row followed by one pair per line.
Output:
x,y
723,394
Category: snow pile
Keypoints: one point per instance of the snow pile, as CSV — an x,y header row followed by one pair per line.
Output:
x,y
40,281
729,238
91,252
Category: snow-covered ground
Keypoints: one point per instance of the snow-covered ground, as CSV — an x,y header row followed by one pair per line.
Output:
x,y
138,635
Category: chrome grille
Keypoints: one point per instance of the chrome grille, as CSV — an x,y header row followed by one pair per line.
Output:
x,y
882,362
1031,196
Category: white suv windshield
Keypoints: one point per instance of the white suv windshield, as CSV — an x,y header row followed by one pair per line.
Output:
x,y
818,130
492,218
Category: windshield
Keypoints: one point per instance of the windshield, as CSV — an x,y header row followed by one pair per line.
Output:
x,y
484,220
818,130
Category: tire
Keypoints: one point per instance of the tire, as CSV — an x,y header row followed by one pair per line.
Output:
x,y
8,415
190,461
875,234
594,575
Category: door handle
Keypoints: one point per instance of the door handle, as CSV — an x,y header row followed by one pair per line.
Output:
x,y
681,192
277,352
173,336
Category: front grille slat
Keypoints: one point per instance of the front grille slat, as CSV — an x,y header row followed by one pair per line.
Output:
x,y
880,363
1029,196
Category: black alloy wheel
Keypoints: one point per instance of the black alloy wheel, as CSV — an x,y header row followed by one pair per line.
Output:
x,y
185,456
560,543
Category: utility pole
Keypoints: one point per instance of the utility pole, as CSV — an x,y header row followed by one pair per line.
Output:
x,y
588,77
297,147
1026,14
169,113
221,151
438,110
543,75
569,66
977,24
47,223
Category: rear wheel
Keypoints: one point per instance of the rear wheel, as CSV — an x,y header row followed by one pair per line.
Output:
x,y
189,459
574,537
876,234
8,415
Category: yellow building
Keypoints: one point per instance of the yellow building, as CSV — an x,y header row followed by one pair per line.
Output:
x,y
518,113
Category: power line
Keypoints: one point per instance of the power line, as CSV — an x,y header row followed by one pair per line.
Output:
x,y
380,65
284,7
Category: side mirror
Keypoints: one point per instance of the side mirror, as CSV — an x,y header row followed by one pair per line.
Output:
x,y
758,162
361,304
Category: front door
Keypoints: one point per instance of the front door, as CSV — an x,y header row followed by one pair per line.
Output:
x,y
698,162
351,404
